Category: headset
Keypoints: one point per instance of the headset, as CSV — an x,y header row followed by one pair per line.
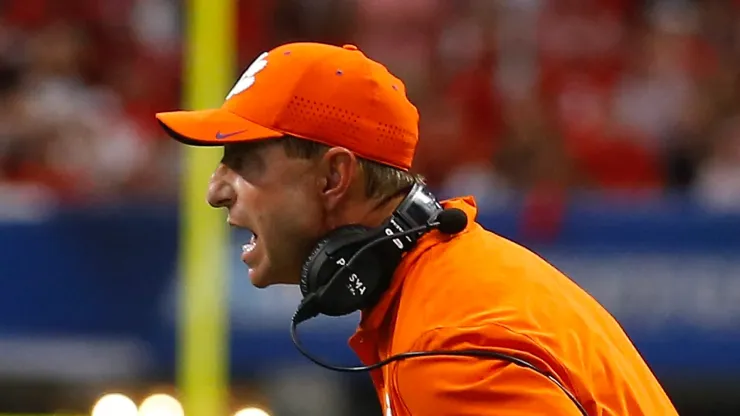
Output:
x,y
352,266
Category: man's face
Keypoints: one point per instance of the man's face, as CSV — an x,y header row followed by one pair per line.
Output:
x,y
279,199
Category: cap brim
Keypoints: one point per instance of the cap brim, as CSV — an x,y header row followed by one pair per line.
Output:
x,y
212,127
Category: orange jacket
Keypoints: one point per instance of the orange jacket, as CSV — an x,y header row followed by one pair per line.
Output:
x,y
479,290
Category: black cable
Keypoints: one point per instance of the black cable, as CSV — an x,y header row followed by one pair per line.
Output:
x,y
485,354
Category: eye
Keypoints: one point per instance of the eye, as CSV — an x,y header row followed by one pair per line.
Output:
x,y
235,156
233,160
243,160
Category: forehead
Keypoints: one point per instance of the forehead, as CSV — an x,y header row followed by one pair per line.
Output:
x,y
254,153
255,148
261,160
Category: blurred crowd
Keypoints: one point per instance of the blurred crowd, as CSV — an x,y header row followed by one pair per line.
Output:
x,y
635,97
79,82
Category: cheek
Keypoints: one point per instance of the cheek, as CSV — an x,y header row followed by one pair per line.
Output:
x,y
296,215
310,207
251,203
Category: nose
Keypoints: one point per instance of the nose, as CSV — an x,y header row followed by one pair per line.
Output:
x,y
220,192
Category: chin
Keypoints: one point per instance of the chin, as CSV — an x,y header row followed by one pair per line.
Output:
x,y
262,278
258,278
258,282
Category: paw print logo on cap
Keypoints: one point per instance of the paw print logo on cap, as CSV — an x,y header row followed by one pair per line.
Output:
x,y
247,79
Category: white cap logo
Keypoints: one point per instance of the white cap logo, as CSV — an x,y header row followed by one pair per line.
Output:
x,y
247,78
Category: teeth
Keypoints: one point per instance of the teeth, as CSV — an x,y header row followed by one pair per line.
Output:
x,y
246,248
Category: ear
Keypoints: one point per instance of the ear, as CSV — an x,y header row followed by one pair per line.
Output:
x,y
339,168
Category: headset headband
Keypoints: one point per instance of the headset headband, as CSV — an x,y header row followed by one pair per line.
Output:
x,y
418,207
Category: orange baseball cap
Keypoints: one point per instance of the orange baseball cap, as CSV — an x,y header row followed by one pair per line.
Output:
x,y
324,93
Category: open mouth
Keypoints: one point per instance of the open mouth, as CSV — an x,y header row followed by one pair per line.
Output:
x,y
249,246
250,249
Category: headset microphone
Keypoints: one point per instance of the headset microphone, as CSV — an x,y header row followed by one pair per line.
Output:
x,y
451,221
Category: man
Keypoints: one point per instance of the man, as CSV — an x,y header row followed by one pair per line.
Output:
x,y
316,137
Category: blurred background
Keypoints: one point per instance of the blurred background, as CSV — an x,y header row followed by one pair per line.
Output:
x,y
603,134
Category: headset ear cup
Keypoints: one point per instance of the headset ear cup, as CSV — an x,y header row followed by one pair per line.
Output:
x,y
307,266
317,271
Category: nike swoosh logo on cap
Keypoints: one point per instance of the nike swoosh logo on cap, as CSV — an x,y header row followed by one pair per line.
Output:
x,y
221,136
